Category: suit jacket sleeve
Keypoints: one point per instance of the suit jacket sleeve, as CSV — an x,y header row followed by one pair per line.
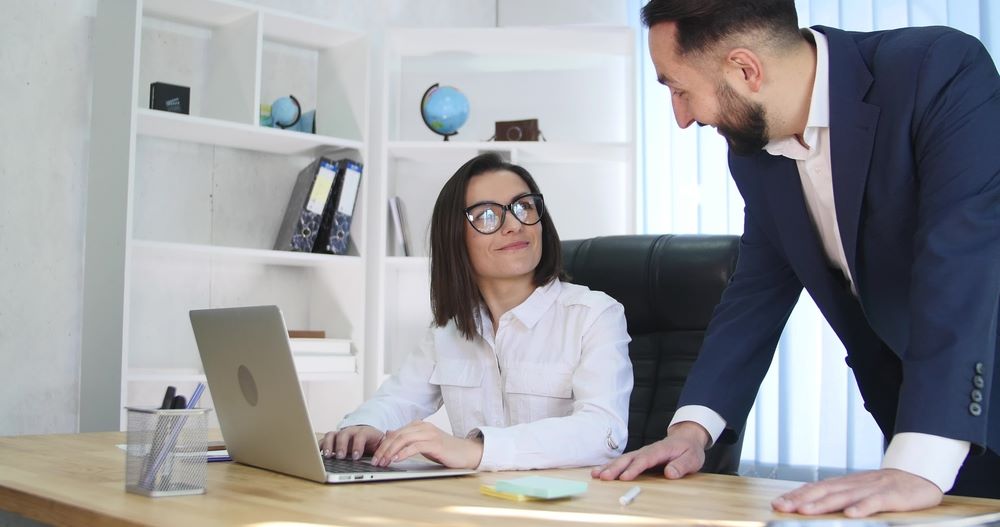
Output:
x,y
955,277
740,340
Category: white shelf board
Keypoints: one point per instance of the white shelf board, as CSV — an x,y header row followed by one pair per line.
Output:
x,y
531,151
164,375
408,263
190,128
207,13
168,375
282,27
304,32
526,41
252,256
327,377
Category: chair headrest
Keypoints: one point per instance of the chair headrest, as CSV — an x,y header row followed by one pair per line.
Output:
x,y
666,282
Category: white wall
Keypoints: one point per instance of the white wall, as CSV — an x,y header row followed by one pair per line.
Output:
x,y
46,63
45,84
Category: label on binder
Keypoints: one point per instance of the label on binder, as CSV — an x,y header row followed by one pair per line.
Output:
x,y
321,188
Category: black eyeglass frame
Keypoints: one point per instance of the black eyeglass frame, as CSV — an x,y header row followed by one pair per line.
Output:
x,y
503,211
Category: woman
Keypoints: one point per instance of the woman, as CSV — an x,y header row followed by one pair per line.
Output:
x,y
533,371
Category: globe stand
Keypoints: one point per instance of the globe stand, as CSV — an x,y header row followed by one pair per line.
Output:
x,y
435,126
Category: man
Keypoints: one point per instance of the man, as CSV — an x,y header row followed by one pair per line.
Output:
x,y
870,168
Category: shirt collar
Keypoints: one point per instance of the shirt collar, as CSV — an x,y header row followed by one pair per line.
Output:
x,y
819,106
528,312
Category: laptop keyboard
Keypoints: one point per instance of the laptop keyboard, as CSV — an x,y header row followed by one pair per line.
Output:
x,y
346,466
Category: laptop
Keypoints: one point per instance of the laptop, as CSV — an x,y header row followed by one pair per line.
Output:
x,y
258,399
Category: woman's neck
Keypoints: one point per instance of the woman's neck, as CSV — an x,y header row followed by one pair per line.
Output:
x,y
500,296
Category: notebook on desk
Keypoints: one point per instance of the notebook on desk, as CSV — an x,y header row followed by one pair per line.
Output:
x,y
258,399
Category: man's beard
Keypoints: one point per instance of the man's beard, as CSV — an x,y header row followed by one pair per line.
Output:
x,y
741,122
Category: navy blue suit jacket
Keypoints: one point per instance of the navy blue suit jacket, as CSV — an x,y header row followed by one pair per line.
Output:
x,y
915,152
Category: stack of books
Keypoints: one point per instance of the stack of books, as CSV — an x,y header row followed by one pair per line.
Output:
x,y
323,355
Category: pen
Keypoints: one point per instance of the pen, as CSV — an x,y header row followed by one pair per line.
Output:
x,y
629,496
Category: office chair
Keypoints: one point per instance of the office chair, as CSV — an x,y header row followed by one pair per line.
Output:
x,y
669,285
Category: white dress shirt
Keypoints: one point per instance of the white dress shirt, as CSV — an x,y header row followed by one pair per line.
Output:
x,y
550,389
907,450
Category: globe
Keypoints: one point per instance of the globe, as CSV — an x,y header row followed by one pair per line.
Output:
x,y
444,110
285,111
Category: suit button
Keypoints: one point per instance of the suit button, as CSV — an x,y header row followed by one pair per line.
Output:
x,y
975,409
977,396
977,381
979,368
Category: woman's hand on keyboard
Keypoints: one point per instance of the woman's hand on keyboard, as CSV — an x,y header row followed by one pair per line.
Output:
x,y
420,437
353,441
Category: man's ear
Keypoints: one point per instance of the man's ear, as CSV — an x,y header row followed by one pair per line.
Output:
x,y
745,66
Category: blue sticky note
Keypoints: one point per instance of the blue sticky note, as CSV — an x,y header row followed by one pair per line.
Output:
x,y
542,487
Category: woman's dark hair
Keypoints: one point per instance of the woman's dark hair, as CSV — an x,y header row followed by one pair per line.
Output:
x,y
703,23
454,292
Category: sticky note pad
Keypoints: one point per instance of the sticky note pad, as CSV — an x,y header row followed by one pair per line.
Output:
x,y
542,487
490,490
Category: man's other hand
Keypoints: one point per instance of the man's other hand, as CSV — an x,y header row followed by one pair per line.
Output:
x,y
862,494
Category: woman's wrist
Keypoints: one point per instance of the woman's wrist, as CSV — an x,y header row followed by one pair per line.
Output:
x,y
475,451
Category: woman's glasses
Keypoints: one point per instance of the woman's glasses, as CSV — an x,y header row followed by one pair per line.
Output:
x,y
487,217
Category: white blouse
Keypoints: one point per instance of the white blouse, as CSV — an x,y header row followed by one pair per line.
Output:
x,y
551,389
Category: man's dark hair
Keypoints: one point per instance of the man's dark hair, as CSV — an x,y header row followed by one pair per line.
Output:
x,y
704,23
454,292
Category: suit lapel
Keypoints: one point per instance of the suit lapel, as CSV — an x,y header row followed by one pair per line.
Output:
x,y
853,123
784,192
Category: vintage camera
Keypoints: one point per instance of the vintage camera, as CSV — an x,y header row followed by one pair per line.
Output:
x,y
523,130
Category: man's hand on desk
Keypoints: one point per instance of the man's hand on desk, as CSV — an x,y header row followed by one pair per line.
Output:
x,y
683,452
862,494
353,441
420,437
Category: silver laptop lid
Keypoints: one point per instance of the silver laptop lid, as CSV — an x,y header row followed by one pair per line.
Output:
x,y
257,395
258,398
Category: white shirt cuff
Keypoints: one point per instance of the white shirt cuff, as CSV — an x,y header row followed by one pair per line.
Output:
x,y
711,421
908,452
499,450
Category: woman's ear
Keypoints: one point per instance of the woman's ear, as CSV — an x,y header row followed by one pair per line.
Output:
x,y
746,66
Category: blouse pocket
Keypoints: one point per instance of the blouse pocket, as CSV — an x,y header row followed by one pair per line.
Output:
x,y
461,387
538,392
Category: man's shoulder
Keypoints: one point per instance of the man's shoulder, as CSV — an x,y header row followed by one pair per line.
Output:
x,y
889,49
900,39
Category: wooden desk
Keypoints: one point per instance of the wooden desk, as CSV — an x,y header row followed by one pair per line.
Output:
x,y
78,480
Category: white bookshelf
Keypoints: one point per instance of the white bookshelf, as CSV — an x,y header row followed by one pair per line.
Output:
x,y
177,127
578,82
345,263
183,210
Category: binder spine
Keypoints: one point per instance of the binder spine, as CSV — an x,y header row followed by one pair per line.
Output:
x,y
304,215
340,229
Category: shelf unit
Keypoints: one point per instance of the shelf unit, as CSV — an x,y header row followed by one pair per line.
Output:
x,y
183,209
578,82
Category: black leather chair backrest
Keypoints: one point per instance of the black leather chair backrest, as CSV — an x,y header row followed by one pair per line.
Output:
x,y
669,285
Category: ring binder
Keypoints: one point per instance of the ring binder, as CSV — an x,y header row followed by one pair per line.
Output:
x,y
304,215
335,230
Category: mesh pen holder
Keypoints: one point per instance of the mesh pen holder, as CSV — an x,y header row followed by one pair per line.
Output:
x,y
167,451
